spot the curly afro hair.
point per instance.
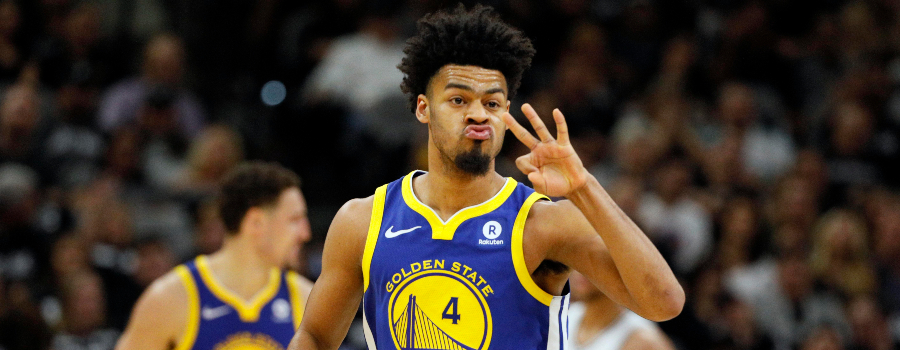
(474, 37)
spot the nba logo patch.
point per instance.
(281, 310)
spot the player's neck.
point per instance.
(600, 312)
(447, 191)
(239, 269)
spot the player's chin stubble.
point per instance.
(473, 162)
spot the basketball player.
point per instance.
(598, 323)
(237, 297)
(460, 257)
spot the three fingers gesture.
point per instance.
(553, 167)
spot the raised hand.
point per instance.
(553, 167)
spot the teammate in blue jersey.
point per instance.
(238, 297)
(460, 257)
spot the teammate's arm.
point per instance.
(159, 317)
(336, 294)
(621, 260)
(645, 339)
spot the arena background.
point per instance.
(757, 143)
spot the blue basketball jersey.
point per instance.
(455, 284)
(220, 320)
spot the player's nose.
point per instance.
(476, 114)
(305, 232)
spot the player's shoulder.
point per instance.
(161, 314)
(166, 301)
(350, 225)
(358, 206)
(545, 214)
(356, 212)
(170, 289)
(556, 224)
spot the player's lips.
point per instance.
(479, 132)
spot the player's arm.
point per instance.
(159, 317)
(336, 295)
(602, 243)
(596, 237)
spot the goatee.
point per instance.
(473, 162)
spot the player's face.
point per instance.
(463, 109)
(288, 228)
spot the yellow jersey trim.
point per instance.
(297, 305)
(374, 231)
(193, 322)
(248, 311)
(445, 230)
(518, 251)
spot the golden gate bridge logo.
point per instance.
(417, 331)
(436, 309)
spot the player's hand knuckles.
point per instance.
(526, 159)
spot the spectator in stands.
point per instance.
(740, 329)
(12, 56)
(73, 150)
(20, 328)
(163, 68)
(627, 192)
(359, 69)
(849, 154)
(106, 228)
(886, 243)
(69, 255)
(122, 159)
(678, 224)
(870, 327)
(841, 257)
(23, 247)
(823, 338)
(793, 203)
(75, 49)
(154, 259)
(765, 151)
(214, 152)
(209, 230)
(740, 241)
(784, 302)
(110, 232)
(20, 117)
(84, 315)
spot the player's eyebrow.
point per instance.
(492, 91)
(469, 88)
(458, 86)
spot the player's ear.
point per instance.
(508, 104)
(254, 220)
(422, 110)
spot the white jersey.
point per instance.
(611, 338)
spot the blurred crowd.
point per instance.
(756, 142)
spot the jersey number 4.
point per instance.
(450, 312)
